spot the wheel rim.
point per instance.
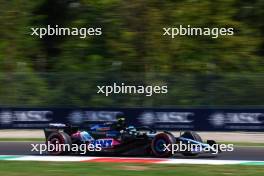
(159, 145)
(55, 141)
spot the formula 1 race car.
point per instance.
(116, 139)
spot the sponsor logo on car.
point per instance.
(105, 143)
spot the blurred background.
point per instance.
(64, 71)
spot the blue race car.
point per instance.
(119, 139)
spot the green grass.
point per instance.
(25, 168)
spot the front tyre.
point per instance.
(193, 136)
(159, 142)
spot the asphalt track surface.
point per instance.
(239, 153)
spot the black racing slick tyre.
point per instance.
(213, 144)
(59, 143)
(158, 145)
(193, 136)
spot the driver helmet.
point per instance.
(120, 119)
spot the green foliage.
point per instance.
(64, 71)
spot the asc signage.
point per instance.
(8, 117)
(199, 119)
(237, 120)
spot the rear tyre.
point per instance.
(157, 145)
(59, 139)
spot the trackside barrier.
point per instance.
(199, 119)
